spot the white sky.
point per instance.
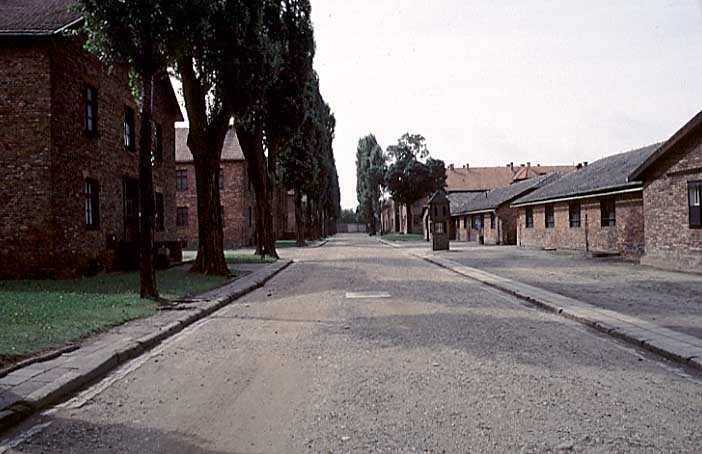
(489, 82)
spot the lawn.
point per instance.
(233, 258)
(408, 237)
(36, 315)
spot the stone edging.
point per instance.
(679, 347)
(102, 362)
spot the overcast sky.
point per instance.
(489, 82)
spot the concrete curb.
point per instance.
(103, 361)
(676, 346)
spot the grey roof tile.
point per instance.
(610, 173)
(491, 200)
(36, 17)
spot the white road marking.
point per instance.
(358, 295)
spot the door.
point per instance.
(131, 210)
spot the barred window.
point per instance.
(181, 180)
(529, 217)
(608, 212)
(91, 191)
(574, 214)
(182, 216)
(549, 217)
(91, 107)
(694, 199)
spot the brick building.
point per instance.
(394, 217)
(488, 216)
(68, 149)
(672, 193)
(595, 209)
(237, 195)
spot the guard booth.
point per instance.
(438, 217)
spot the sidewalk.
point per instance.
(673, 344)
(41, 384)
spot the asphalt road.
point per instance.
(443, 364)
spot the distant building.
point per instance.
(488, 216)
(595, 209)
(481, 179)
(237, 195)
(396, 219)
(69, 150)
(672, 197)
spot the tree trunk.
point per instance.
(299, 221)
(210, 250)
(205, 140)
(371, 215)
(252, 145)
(147, 271)
(409, 218)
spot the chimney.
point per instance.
(450, 166)
(467, 166)
(521, 165)
(511, 167)
(578, 166)
(538, 165)
(584, 163)
(528, 164)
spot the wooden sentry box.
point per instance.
(439, 215)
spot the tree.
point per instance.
(370, 177)
(132, 32)
(201, 46)
(409, 179)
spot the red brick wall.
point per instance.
(25, 160)
(626, 238)
(236, 200)
(670, 242)
(75, 156)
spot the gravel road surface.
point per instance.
(434, 363)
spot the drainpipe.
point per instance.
(587, 238)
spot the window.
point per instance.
(436, 211)
(465, 222)
(91, 191)
(159, 212)
(549, 218)
(221, 178)
(439, 227)
(443, 210)
(181, 180)
(608, 214)
(574, 214)
(492, 220)
(695, 197)
(157, 142)
(129, 128)
(529, 217)
(91, 107)
(478, 221)
(181, 216)
(250, 216)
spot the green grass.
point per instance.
(36, 315)
(408, 237)
(282, 244)
(233, 259)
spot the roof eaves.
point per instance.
(622, 189)
(688, 128)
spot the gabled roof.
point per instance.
(231, 151)
(605, 175)
(37, 17)
(487, 178)
(438, 196)
(681, 134)
(493, 199)
(460, 200)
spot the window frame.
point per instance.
(529, 217)
(492, 221)
(129, 129)
(91, 208)
(182, 216)
(692, 188)
(549, 216)
(574, 208)
(90, 94)
(610, 220)
(181, 180)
